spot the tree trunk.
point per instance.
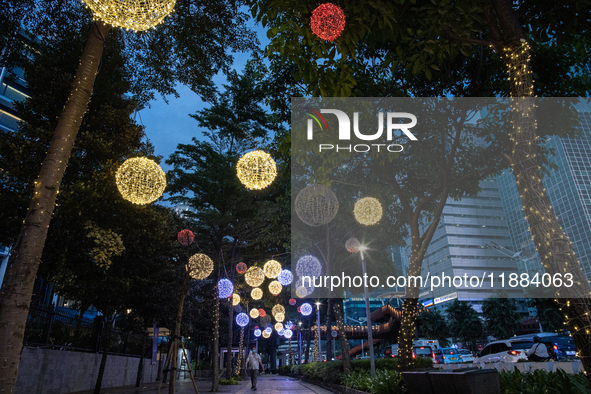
(329, 329)
(177, 334)
(17, 288)
(551, 242)
(342, 338)
(106, 339)
(309, 339)
(216, 341)
(230, 340)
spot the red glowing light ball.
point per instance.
(262, 312)
(328, 21)
(256, 327)
(299, 309)
(241, 267)
(292, 301)
(186, 237)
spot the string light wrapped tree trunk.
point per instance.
(23, 264)
(552, 244)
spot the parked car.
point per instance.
(450, 355)
(467, 356)
(438, 356)
(508, 351)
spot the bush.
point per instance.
(297, 370)
(325, 371)
(385, 382)
(541, 381)
(231, 381)
(285, 370)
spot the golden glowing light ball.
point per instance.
(278, 309)
(272, 269)
(280, 317)
(254, 277)
(256, 293)
(278, 326)
(140, 180)
(137, 15)
(316, 205)
(266, 334)
(301, 292)
(275, 287)
(235, 299)
(368, 211)
(256, 170)
(199, 266)
(254, 313)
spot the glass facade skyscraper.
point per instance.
(569, 190)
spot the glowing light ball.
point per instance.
(242, 319)
(199, 266)
(272, 269)
(255, 327)
(137, 15)
(306, 309)
(289, 325)
(352, 245)
(275, 287)
(305, 287)
(254, 277)
(225, 288)
(262, 312)
(292, 301)
(257, 333)
(278, 309)
(256, 170)
(280, 332)
(367, 211)
(235, 299)
(237, 308)
(186, 237)
(278, 326)
(254, 313)
(308, 265)
(299, 309)
(269, 329)
(266, 334)
(316, 205)
(140, 180)
(280, 317)
(241, 267)
(256, 294)
(287, 334)
(328, 21)
(285, 277)
(301, 292)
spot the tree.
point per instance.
(191, 60)
(549, 314)
(446, 31)
(501, 319)
(434, 326)
(464, 322)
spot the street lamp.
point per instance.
(372, 362)
(318, 324)
(300, 343)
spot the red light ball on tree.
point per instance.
(292, 301)
(262, 312)
(186, 237)
(299, 309)
(241, 267)
(328, 21)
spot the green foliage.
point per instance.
(501, 318)
(231, 381)
(549, 314)
(432, 324)
(540, 381)
(285, 369)
(385, 382)
(463, 321)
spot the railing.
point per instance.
(63, 329)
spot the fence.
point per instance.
(64, 329)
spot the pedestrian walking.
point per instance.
(253, 363)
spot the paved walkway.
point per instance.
(266, 385)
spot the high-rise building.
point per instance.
(569, 190)
(13, 88)
(465, 243)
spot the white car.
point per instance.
(506, 351)
(467, 356)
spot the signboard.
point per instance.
(334, 333)
(155, 343)
(445, 298)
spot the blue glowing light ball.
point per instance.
(287, 334)
(280, 332)
(242, 319)
(285, 277)
(257, 333)
(225, 288)
(289, 325)
(306, 309)
(308, 265)
(269, 330)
